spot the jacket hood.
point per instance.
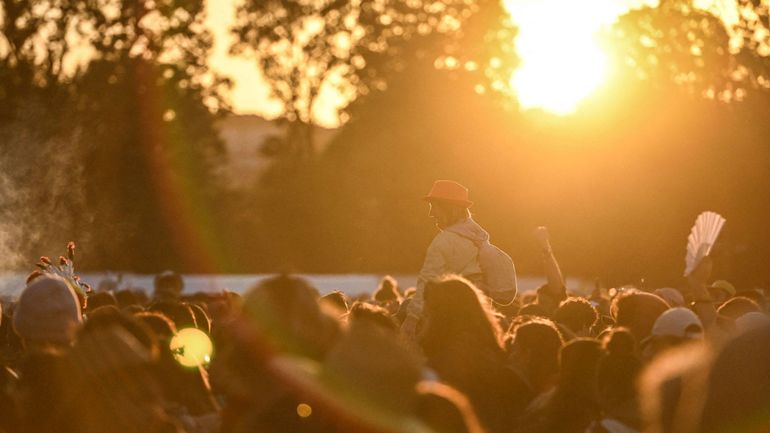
(470, 229)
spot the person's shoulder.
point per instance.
(443, 237)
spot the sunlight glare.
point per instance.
(561, 60)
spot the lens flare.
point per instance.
(191, 347)
(304, 410)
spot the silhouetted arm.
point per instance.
(550, 295)
(702, 303)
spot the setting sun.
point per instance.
(561, 61)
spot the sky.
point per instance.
(250, 94)
(538, 82)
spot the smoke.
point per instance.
(9, 228)
(41, 185)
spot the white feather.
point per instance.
(702, 238)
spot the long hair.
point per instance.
(453, 305)
(573, 405)
(462, 341)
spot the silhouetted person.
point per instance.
(100, 299)
(616, 383)
(737, 307)
(462, 342)
(168, 286)
(737, 390)
(455, 248)
(637, 311)
(533, 353)
(673, 328)
(47, 314)
(574, 403)
(114, 386)
(577, 315)
(47, 318)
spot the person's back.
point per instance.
(454, 251)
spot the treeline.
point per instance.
(122, 154)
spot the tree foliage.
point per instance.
(352, 47)
(676, 42)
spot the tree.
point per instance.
(349, 48)
(33, 47)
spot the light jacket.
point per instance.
(452, 251)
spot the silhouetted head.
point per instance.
(163, 328)
(574, 402)
(361, 311)
(336, 303)
(179, 313)
(100, 299)
(721, 290)
(47, 313)
(109, 316)
(126, 297)
(446, 214)
(453, 305)
(577, 314)
(533, 309)
(534, 347)
(579, 360)
(637, 311)
(168, 285)
(387, 290)
(448, 203)
(674, 327)
(673, 297)
(736, 307)
(284, 311)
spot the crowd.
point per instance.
(442, 357)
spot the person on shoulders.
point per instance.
(454, 250)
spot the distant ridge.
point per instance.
(244, 136)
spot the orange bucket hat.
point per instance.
(449, 191)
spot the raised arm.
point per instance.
(555, 291)
(702, 303)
